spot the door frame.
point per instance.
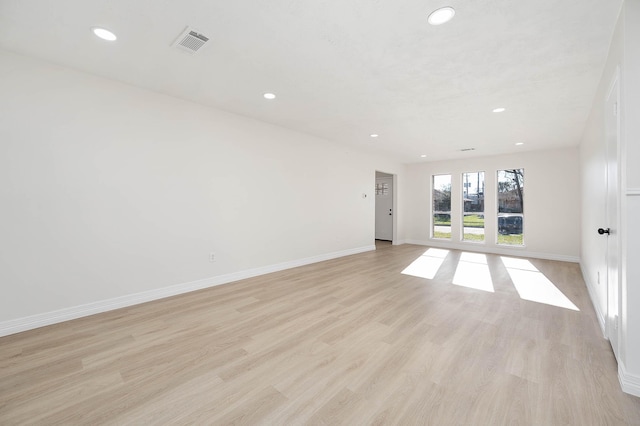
(394, 203)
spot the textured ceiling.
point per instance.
(343, 69)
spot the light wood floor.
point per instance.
(349, 341)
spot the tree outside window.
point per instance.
(511, 207)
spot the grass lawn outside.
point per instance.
(441, 222)
(473, 221)
(470, 221)
(473, 237)
(512, 239)
(445, 235)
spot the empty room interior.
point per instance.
(330, 212)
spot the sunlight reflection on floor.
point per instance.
(532, 285)
(473, 272)
(427, 265)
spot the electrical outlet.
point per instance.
(212, 257)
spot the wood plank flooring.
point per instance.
(348, 341)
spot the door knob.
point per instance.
(604, 231)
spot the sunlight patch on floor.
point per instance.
(473, 272)
(532, 285)
(427, 265)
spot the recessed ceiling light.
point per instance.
(499, 110)
(374, 135)
(519, 143)
(442, 15)
(104, 34)
(269, 96)
(424, 156)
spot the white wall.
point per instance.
(551, 202)
(624, 54)
(109, 191)
(593, 165)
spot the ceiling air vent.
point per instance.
(190, 40)
(467, 149)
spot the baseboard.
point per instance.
(591, 291)
(398, 242)
(630, 383)
(515, 251)
(40, 320)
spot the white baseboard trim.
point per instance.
(40, 320)
(590, 289)
(630, 383)
(398, 242)
(517, 252)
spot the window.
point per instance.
(382, 188)
(473, 206)
(511, 207)
(442, 206)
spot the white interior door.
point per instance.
(384, 208)
(613, 292)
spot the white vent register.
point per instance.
(191, 40)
